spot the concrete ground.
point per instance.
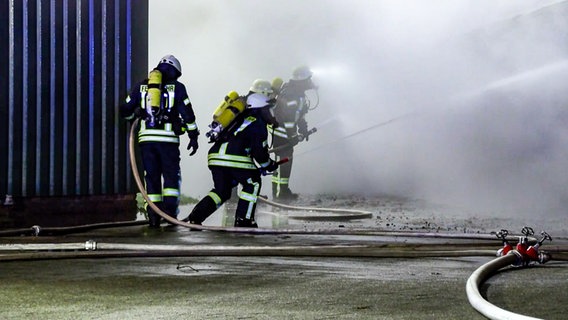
(271, 287)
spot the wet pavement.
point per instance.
(242, 286)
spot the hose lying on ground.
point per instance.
(124, 250)
(38, 230)
(338, 213)
(406, 250)
(94, 245)
(479, 277)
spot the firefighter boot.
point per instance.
(154, 220)
(245, 223)
(202, 210)
(286, 194)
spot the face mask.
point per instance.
(168, 71)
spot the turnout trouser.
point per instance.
(161, 164)
(281, 177)
(224, 180)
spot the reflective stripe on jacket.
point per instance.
(246, 147)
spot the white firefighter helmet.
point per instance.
(302, 73)
(171, 60)
(263, 87)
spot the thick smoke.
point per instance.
(453, 101)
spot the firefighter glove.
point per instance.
(305, 135)
(272, 166)
(193, 145)
(294, 140)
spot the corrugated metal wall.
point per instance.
(66, 65)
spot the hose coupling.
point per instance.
(90, 245)
(519, 261)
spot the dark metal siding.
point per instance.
(69, 64)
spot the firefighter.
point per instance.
(290, 111)
(240, 156)
(166, 113)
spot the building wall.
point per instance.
(67, 64)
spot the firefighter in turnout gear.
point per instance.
(165, 111)
(240, 156)
(290, 111)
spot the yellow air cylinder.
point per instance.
(226, 112)
(154, 88)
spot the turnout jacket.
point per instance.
(174, 117)
(290, 111)
(243, 146)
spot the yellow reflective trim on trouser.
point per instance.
(247, 196)
(215, 198)
(278, 180)
(170, 192)
(155, 197)
(251, 198)
(191, 126)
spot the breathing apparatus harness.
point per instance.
(301, 112)
(158, 104)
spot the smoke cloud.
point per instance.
(459, 102)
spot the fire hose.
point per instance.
(478, 277)
(43, 251)
(175, 221)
